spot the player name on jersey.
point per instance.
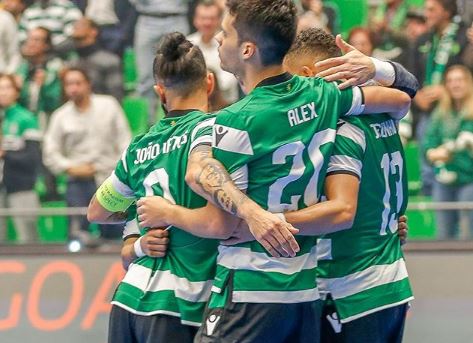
(153, 150)
(301, 114)
(384, 129)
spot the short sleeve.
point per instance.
(202, 133)
(231, 144)
(349, 150)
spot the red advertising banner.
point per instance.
(57, 298)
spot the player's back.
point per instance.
(155, 164)
(363, 267)
(281, 134)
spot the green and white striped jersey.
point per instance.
(276, 144)
(155, 164)
(363, 267)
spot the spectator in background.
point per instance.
(415, 25)
(468, 56)
(39, 74)
(103, 67)
(362, 39)
(16, 7)
(85, 138)
(58, 16)
(155, 18)
(115, 20)
(9, 45)
(21, 158)
(449, 147)
(432, 54)
(207, 19)
(389, 27)
(317, 14)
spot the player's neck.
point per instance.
(198, 101)
(254, 75)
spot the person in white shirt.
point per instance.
(207, 19)
(10, 57)
(84, 139)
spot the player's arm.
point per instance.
(385, 100)
(375, 99)
(355, 68)
(207, 222)
(110, 202)
(209, 178)
(335, 214)
(153, 243)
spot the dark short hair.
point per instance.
(179, 64)
(48, 39)
(315, 42)
(78, 68)
(270, 24)
(450, 6)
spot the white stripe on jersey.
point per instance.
(163, 280)
(373, 276)
(120, 187)
(244, 259)
(354, 133)
(344, 163)
(201, 125)
(131, 228)
(357, 106)
(207, 139)
(283, 297)
(232, 140)
(324, 249)
(240, 177)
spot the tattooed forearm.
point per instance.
(216, 182)
(213, 181)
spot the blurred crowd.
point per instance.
(62, 88)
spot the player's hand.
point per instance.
(152, 211)
(273, 233)
(155, 242)
(354, 67)
(402, 229)
(242, 234)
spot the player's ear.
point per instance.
(160, 91)
(248, 50)
(306, 71)
(210, 79)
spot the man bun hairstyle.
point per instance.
(179, 64)
(270, 24)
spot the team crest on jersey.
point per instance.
(232, 140)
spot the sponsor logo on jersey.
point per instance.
(220, 132)
(333, 320)
(384, 129)
(232, 140)
(301, 114)
(211, 323)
